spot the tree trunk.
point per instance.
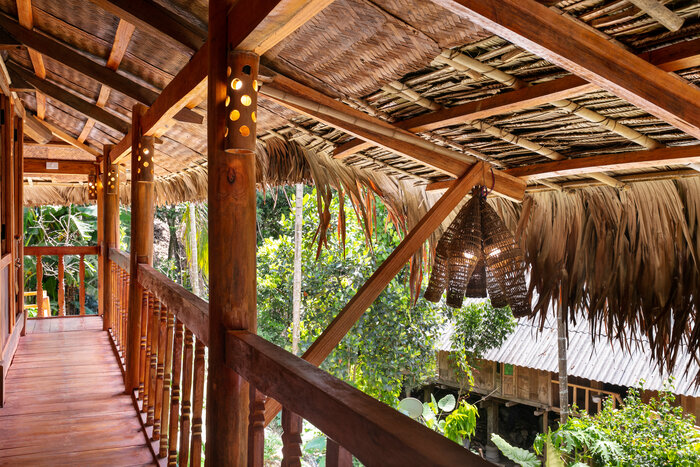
(296, 292)
(561, 328)
(192, 239)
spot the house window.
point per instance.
(508, 369)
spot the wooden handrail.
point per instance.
(189, 309)
(61, 250)
(120, 258)
(373, 432)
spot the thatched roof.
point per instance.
(631, 254)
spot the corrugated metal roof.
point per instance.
(598, 360)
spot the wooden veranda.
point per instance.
(285, 100)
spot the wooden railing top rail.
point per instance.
(189, 309)
(61, 250)
(373, 432)
(120, 258)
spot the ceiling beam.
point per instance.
(63, 135)
(582, 166)
(152, 17)
(674, 57)
(320, 107)
(35, 129)
(82, 64)
(71, 100)
(58, 166)
(190, 84)
(26, 20)
(572, 46)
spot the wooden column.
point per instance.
(102, 254)
(232, 103)
(8, 199)
(142, 212)
(82, 285)
(110, 181)
(19, 216)
(40, 288)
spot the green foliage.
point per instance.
(520, 456)
(636, 434)
(60, 226)
(478, 327)
(392, 344)
(461, 424)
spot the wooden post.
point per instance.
(291, 439)
(336, 455)
(102, 254)
(39, 288)
(82, 285)
(142, 212)
(110, 181)
(19, 217)
(8, 198)
(232, 293)
(561, 340)
(61, 287)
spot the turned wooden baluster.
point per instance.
(113, 295)
(291, 439)
(256, 429)
(336, 455)
(143, 356)
(197, 404)
(125, 309)
(154, 320)
(160, 369)
(118, 305)
(167, 382)
(40, 288)
(61, 287)
(187, 359)
(175, 394)
(81, 274)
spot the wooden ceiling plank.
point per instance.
(540, 30)
(79, 104)
(152, 17)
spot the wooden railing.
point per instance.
(118, 277)
(174, 334)
(60, 251)
(589, 392)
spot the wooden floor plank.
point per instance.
(66, 403)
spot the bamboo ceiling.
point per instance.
(397, 59)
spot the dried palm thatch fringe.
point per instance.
(631, 258)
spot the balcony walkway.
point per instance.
(66, 401)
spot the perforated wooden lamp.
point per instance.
(477, 256)
(92, 186)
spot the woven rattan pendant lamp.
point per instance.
(477, 256)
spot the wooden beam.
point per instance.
(78, 62)
(58, 166)
(71, 100)
(61, 134)
(286, 18)
(152, 17)
(562, 41)
(674, 57)
(660, 13)
(635, 160)
(370, 290)
(36, 130)
(187, 85)
(609, 162)
(26, 19)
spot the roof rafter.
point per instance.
(566, 43)
(71, 100)
(80, 63)
(150, 16)
(671, 58)
(26, 19)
